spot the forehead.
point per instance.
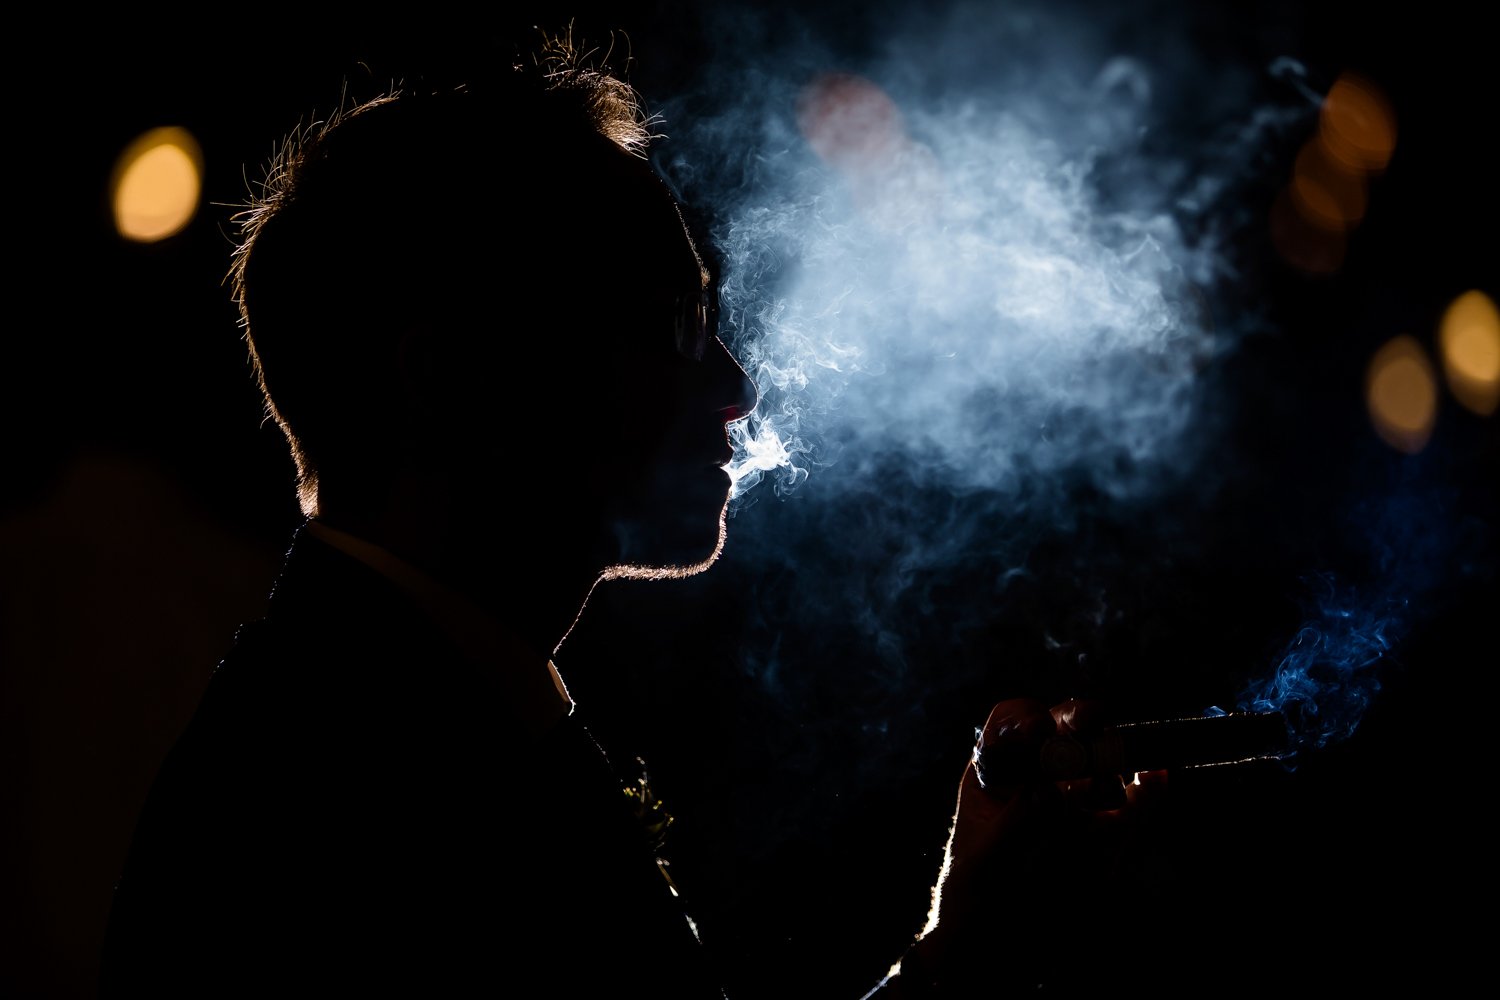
(656, 247)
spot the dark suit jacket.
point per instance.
(350, 809)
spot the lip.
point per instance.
(721, 453)
(709, 448)
(717, 459)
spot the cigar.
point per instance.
(1164, 744)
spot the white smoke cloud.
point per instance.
(981, 270)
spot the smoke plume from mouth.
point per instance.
(965, 300)
(973, 262)
(989, 270)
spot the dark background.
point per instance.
(146, 505)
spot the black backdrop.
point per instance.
(145, 507)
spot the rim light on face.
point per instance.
(691, 326)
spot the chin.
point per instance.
(675, 561)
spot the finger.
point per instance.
(1137, 800)
(1104, 792)
(976, 803)
(1017, 719)
(1078, 715)
(1146, 791)
(1009, 745)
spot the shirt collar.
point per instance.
(539, 697)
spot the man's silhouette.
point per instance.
(486, 333)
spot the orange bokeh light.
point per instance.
(1357, 125)
(1326, 193)
(849, 121)
(1470, 342)
(1401, 392)
(1310, 248)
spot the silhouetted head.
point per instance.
(485, 297)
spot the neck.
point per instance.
(535, 589)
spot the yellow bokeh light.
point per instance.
(1357, 125)
(1470, 341)
(156, 184)
(1401, 391)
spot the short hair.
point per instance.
(392, 212)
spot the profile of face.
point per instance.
(625, 419)
(667, 470)
(675, 388)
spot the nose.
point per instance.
(735, 394)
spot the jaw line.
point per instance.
(637, 571)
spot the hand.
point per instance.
(1029, 863)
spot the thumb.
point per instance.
(1008, 751)
(1002, 778)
